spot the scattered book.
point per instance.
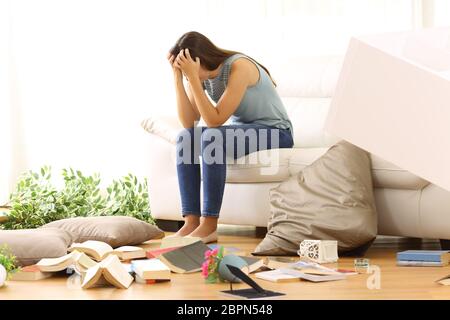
(57, 264)
(254, 264)
(405, 263)
(172, 241)
(276, 276)
(152, 269)
(315, 268)
(157, 252)
(186, 259)
(437, 256)
(148, 281)
(83, 262)
(30, 273)
(109, 271)
(310, 267)
(99, 250)
(314, 277)
(79, 260)
(265, 264)
(445, 281)
(129, 253)
(227, 250)
(292, 275)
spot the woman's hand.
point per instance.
(189, 67)
(175, 68)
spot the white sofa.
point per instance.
(407, 205)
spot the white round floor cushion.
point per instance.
(2, 275)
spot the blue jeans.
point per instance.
(215, 145)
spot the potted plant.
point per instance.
(36, 200)
(8, 264)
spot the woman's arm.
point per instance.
(192, 100)
(187, 111)
(231, 98)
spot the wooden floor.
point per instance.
(395, 282)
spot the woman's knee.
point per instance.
(187, 136)
(213, 147)
(213, 135)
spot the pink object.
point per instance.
(393, 100)
(205, 266)
(208, 253)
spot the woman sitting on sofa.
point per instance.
(244, 92)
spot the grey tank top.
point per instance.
(260, 104)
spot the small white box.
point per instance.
(320, 251)
(393, 100)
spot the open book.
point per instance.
(79, 260)
(99, 250)
(289, 275)
(185, 259)
(110, 271)
(265, 264)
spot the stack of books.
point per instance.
(423, 258)
(150, 271)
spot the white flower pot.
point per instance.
(3, 275)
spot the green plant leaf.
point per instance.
(36, 201)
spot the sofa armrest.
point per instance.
(164, 126)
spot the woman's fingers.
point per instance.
(188, 55)
(174, 63)
(182, 55)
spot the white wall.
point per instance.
(85, 73)
(441, 13)
(5, 104)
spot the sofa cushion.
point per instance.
(31, 245)
(384, 173)
(292, 161)
(262, 166)
(308, 118)
(165, 127)
(390, 176)
(311, 76)
(114, 230)
(331, 199)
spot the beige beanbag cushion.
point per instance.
(115, 230)
(31, 245)
(331, 199)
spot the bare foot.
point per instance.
(191, 222)
(207, 226)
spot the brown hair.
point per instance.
(210, 55)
